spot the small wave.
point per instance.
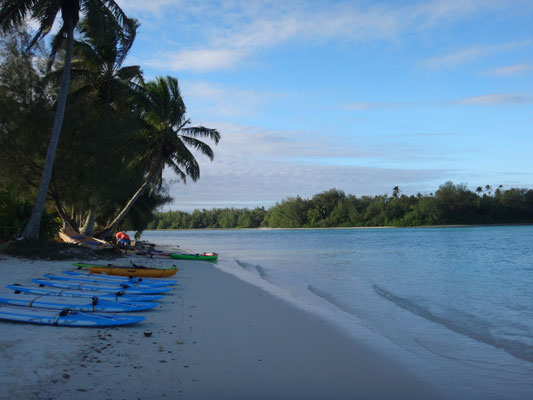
(261, 271)
(244, 265)
(464, 324)
(263, 274)
(330, 299)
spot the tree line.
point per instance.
(451, 204)
(118, 131)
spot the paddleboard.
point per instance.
(117, 296)
(102, 280)
(101, 287)
(64, 317)
(86, 304)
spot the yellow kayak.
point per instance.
(129, 271)
(146, 272)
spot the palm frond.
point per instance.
(85, 55)
(199, 145)
(130, 73)
(115, 9)
(178, 171)
(45, 13)
(202, 131)
(128, 34)
(184, 158)
(14, 12)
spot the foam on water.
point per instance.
(455, 304)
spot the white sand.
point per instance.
(214, 337)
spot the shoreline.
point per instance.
(341, 227)
(214, 336)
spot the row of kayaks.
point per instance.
(78, 298)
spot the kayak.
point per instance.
(200, 256)
(117, 296)
(124, 279)
(102, 280)
(133, 271)
(86, 304)
(101, 287)
(64, 317)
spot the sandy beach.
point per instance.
(214, 337)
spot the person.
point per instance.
(122, 238)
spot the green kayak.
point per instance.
(201, 256)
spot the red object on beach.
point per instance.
(122, 235)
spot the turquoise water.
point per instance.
(455, 304)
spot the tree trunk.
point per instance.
(63, 215)
(32, 228)
(88, 227)
(112, 226)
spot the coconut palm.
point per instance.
(12, 14)
(167, 138)
(98, 79)
(97, 62)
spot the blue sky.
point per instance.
(358, 95)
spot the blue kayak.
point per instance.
(64, 317)
(127, 289)
(86, 304)
(117, 296)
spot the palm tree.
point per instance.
(98, 77)
(97, 62)
(167, 138)
(12, 14)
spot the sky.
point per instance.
(361, 96)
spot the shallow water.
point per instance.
(455, 303)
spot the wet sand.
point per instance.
(213, 337)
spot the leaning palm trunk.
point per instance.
(112, 226)
(88, 227)
(32, 228)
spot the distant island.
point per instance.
(451, 204)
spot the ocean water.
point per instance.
(453, 304)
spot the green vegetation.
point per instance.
(118, 132)
(450, 205)
(15, 214)
(12, 15)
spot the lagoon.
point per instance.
(453, 304)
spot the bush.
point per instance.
(15, 214)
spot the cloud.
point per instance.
(254, 166)
(223, 101)
(249, 184)
(360, 106)
(197, 59)
(510, 70)
(152, 6)
(233, 31)
(495, 99)
(372, 105)
(471, 54)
